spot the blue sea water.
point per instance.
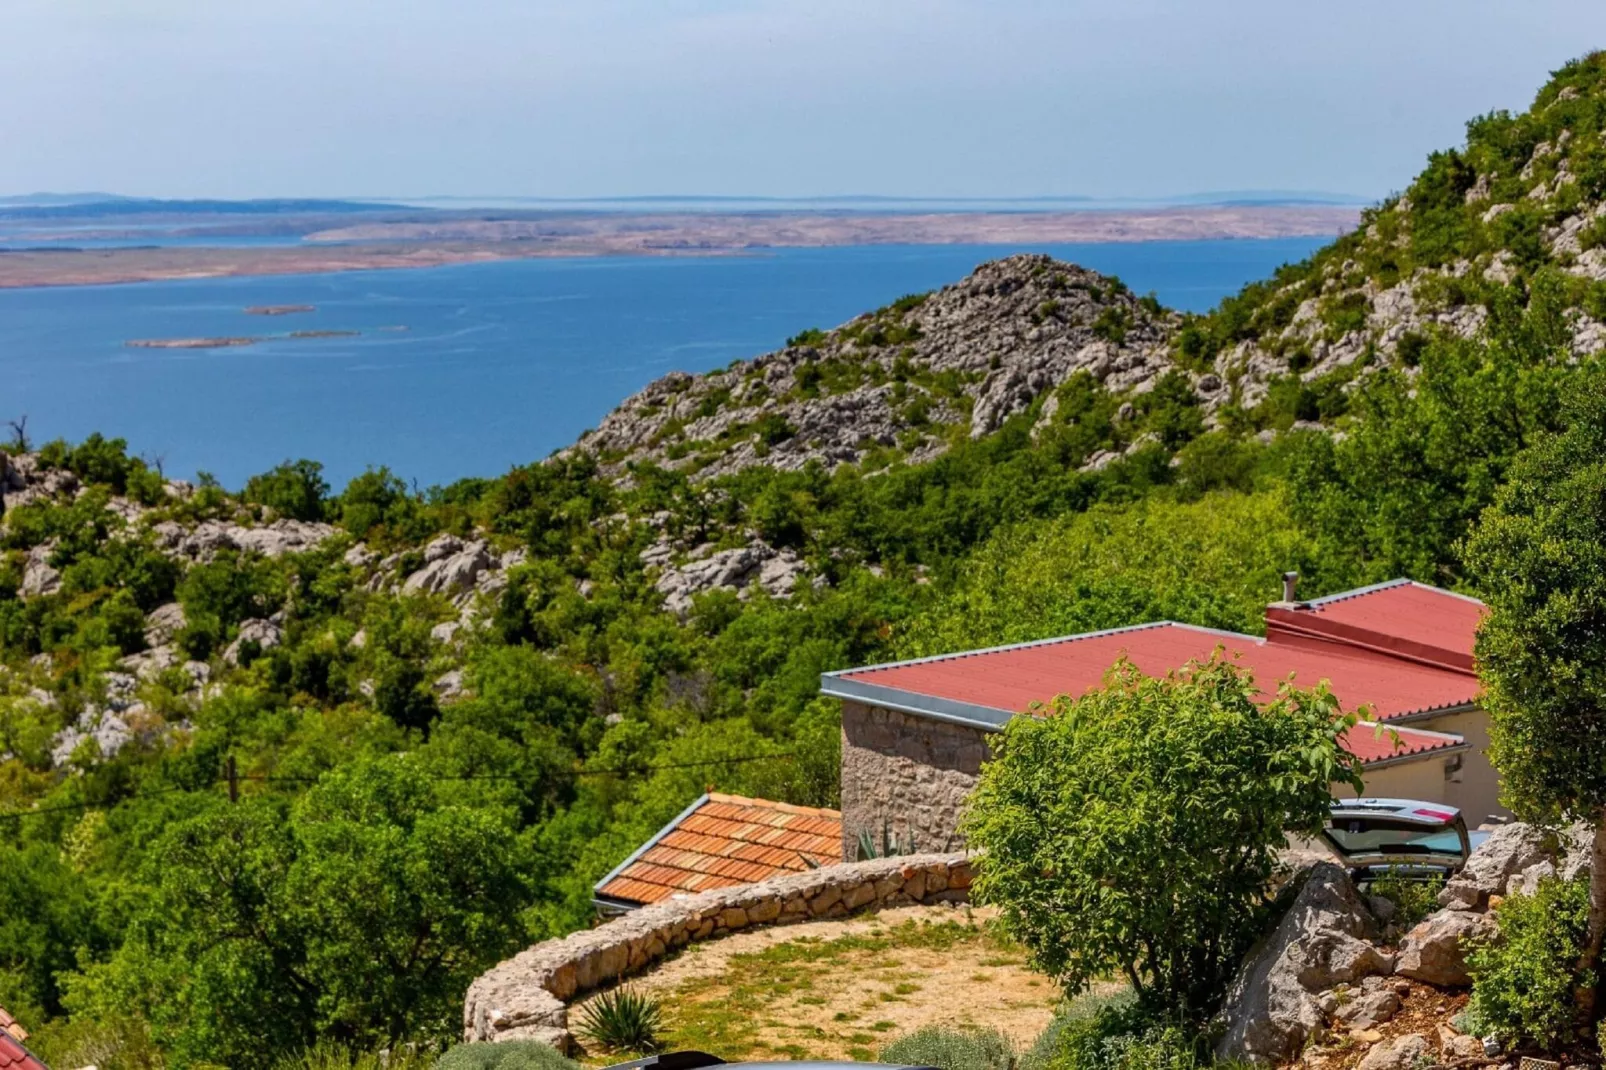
(470, 369)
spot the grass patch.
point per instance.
(744, 1012)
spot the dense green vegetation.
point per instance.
(146, 919)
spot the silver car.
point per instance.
(1406, 837)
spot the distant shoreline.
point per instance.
(383, 245)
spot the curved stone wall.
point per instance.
(527, 996)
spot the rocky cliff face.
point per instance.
(1525, 197)
(901, 381)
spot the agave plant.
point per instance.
(622, 1020)
(889, 847)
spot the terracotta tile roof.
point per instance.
(721, 840)
(1400, 618)
(13, 1056)
(988, 687)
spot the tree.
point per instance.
(1136, 829)
(1539, 556)
(358, 914)
(294, 489)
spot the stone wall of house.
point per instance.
(527, 996)
(911, 773)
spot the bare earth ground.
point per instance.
(843, 989)
(377, 245)
(1425, 1010)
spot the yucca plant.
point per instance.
(622, 1020)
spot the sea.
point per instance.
(468, 370)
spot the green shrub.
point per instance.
(1125, 1039)
(1523, 979)
(1072, 1011)
(622, 1020)
(952, 1049)
(508, 1055)
(1412, 899)
(328, 1056)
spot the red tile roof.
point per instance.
(13, 1056)
(987, 687)
(721, 840)
(1400, 618)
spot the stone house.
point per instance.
(914, 733)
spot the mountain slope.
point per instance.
(542, 668)
(901, 382)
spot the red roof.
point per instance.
(1435, 628)
(1400, 618)
(13, 1056)
(721, 840)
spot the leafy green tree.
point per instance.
(1539, 555)
(1135, 830)
(294, 489)
(357, 914)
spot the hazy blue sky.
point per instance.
(780, 97)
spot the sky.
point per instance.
(786, 98)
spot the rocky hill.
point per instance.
(1520, 204)
(902, 381)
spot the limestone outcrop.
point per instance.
(971, 354)
(1272, 1007)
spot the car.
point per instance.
(696, 1060)
(1403, 837)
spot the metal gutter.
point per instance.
(631, 904)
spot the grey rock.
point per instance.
(1509, 850)
(449, 686)
(211, 537)
(740, 569)
(1368, 1009)
(1271, 1008)
(148, 664)
(163, 623)
(264, 633)
(1401, 1053)
(445, 631)
(1435, 951)
(451, 568)
(39, 578)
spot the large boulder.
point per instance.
(1272, 1008)
(451, 567)
(1435, 951)
(1508, 851)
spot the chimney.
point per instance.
(1290, 582)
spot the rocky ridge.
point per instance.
(906, 378)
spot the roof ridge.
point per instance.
(1030, 644)
(1361, 592)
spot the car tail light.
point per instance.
(1437, 815)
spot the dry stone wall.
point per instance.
(527, 996)
(910, 773)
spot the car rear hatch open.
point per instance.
(1408, 837)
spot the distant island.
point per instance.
(231, 342)
(279, 310)
(328, 239)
